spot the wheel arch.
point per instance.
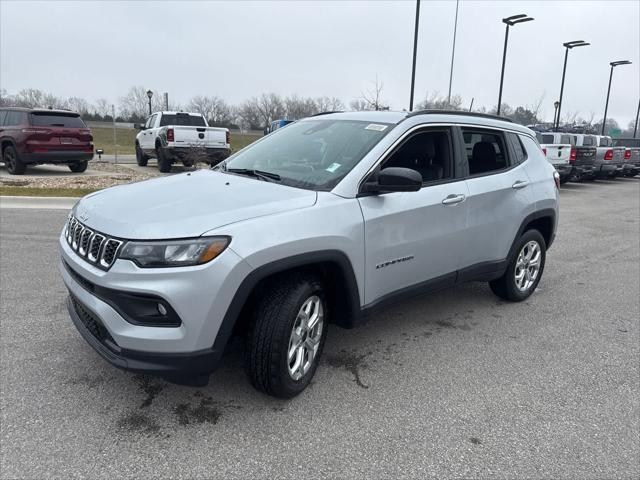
(333, 266)
(542, 220)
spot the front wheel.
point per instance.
(524, 270)
(141, 158)
(287, 335)
(79, 167)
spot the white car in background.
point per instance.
(558, 147)
(180, 136)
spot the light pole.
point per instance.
(556, 104)
(568, 46)
(635, 129)
(149, 94)
(453, 53)
(510, 22)
(415, 49)
(606, 105)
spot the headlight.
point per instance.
(174, 253)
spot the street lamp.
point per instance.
(556, 104)
(149, 94)
(415, 49)
(606, 106)
(510, 22)
(568, 46)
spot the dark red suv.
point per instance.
(34, 136)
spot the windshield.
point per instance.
(313, 154)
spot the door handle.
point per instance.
(453, 199)
(520, 184)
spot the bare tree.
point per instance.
(535, 107)
(102, 108)
(298, 107)
(329, 104)
(136, 103)
(373, 98)
(358, 104)
(434, 101)
(79, 105)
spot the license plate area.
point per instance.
(66, 141)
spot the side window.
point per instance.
(485, 150)
(518, 148)
(3, 115)
(152, 120)
(14, 118)
(548, 139)
(427, 152)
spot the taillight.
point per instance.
(42, 131)
(572, 156)
(170, 136)
(544, 150)
(627, 154)
(608, 155)
(228, 137)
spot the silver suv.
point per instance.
(322, 222)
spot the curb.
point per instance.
(49, 203)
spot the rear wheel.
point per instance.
(78, 167)
(164, 163)
(287, 335)
(141, 158)
(524, 270)
(12, 161)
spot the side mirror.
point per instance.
(138, 126)
(395, 179)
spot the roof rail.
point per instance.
(459, 112)
(326, 113)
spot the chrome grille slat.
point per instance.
(92, 246)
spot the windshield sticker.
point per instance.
(376, 127)
(333, 167)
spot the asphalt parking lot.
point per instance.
(456, 384)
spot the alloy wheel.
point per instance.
(528, 265)
(304, 341)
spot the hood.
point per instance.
(185, 205)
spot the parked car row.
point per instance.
(578, 156)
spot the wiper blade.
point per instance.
(255, 173)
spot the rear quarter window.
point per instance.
(57, 120)
(520, 153)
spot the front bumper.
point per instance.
(72, 156)
(177, 367)
(200, 296)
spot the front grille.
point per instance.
(91, 322)
(94, 247)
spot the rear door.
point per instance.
(58, 131)
(148, 138)
(416, 238)
(499, 196)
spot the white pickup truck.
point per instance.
(180, 136)
(557, 147)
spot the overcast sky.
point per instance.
(239, 49)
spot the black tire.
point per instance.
(505, 287)
(79, 167)
(164, 162)
(12, 161)
(141, 158)
(270, 333)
